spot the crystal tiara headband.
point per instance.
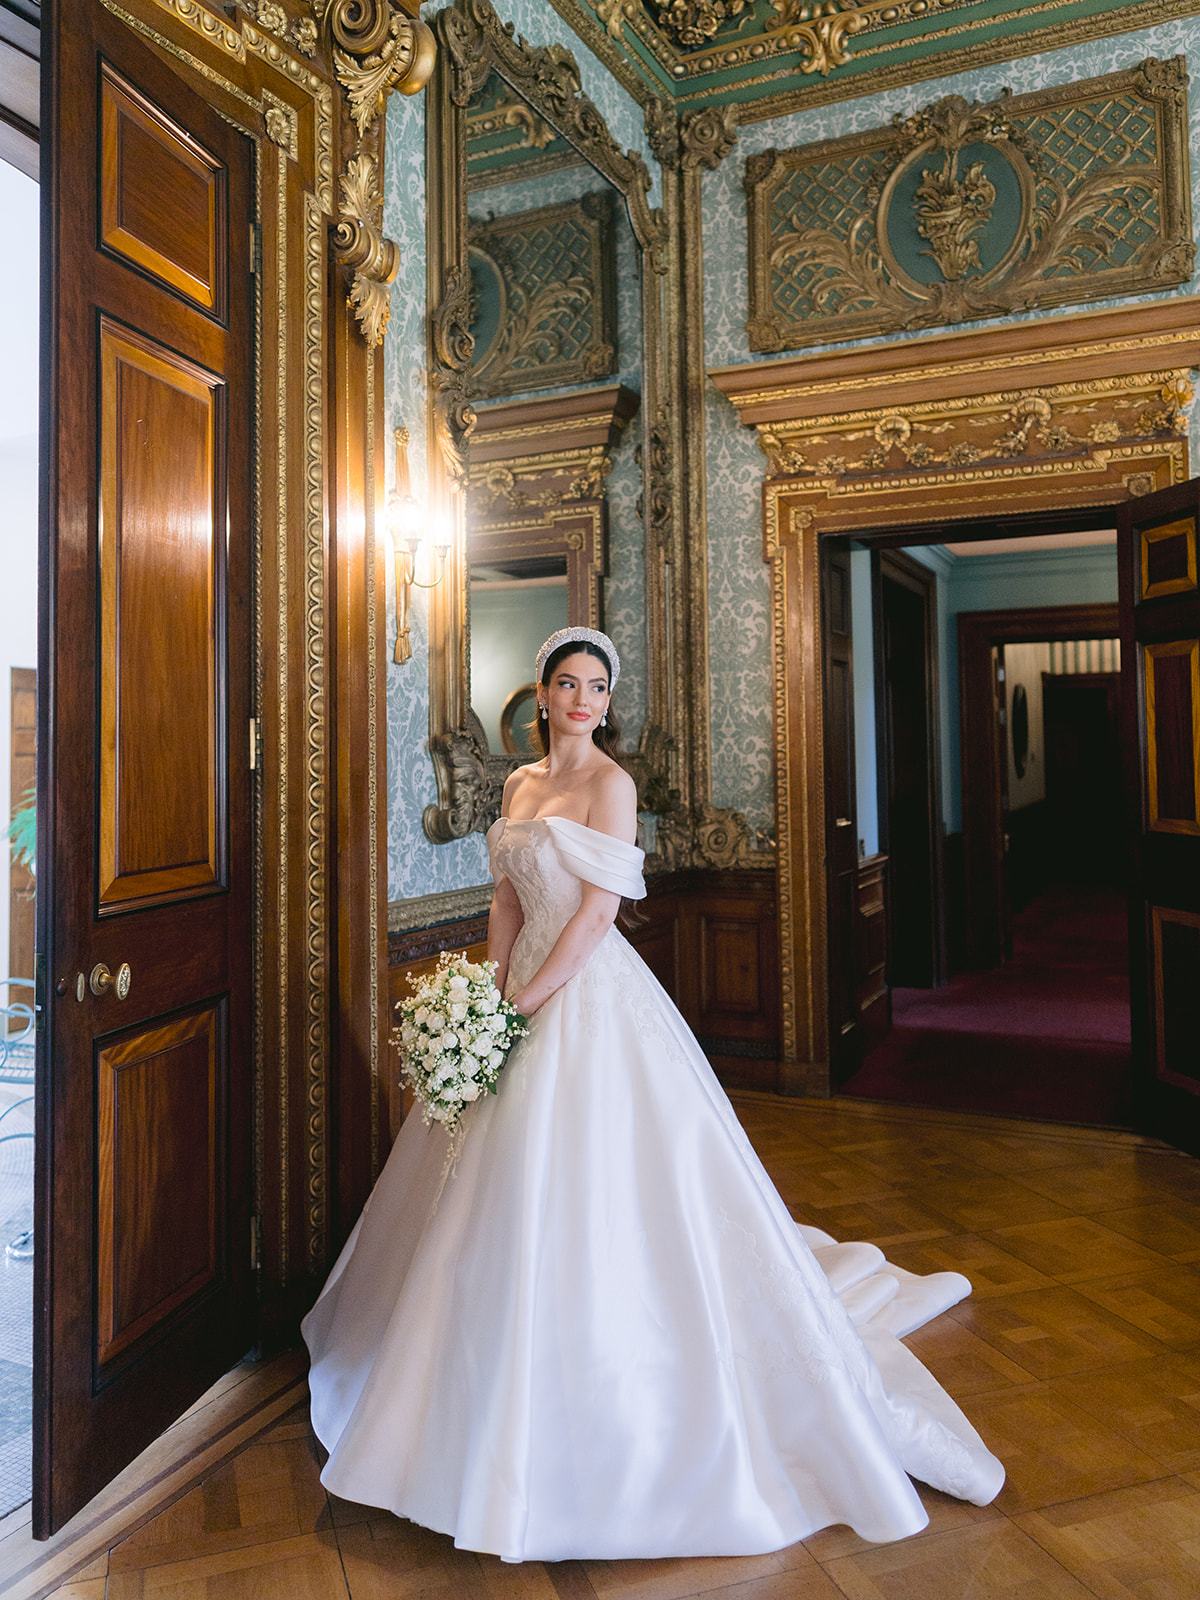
(580, 636)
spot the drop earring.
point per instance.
(545, 715)
(604, 720)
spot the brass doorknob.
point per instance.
(102, 980)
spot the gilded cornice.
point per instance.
(1123, 339)
(829, 52)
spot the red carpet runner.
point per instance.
(1046, 1035)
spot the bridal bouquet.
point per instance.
(454, 1035)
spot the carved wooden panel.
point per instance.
(544, 297)
(1176, 988)
(162, 802)
(1168, 563)
(162, 196)
(961, 211)
(1172, 690)
(874, 1007)
(729, 965)
(159, 1209)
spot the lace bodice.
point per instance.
(546, 860)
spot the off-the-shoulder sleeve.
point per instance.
(599, 858)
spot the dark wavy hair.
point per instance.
(607, 738)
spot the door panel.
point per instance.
(158, 1094)
(1160, 637)
(161, 711)
(145, 1288)
(1171, 674)
(163, 196)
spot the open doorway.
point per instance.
(19, 200)
(1010, 993)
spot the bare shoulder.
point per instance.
(612, 802)
(516, 782)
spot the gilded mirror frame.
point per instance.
(472, 43)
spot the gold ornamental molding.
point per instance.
(965, 210)
(375, 47)
(1055, 413)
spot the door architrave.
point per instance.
(811, 414)
(982, 821)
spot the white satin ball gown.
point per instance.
(601, 1334)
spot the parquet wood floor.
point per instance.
(1077, 1357)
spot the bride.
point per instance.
(600, 1333)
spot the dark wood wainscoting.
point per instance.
(711, 940)
(871, 953)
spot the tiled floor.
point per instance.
(1078, 1357)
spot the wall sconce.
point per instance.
(404, 524)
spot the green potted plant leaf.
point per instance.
(22, 831)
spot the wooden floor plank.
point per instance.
(1077, 1357)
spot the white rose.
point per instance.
(436, 1021)
(489, 1003)
(498, 1023)
(458, 1012)
(448, 1041)
(495, 1059)
(468, 1064)
(458, 985)
(470, 1091)
(421, 1015)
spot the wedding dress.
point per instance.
(600, 1333)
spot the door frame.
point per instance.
(979, 632)
(896, 565)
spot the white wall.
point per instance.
(18, 474)
(1024, 664)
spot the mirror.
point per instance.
(542, 374)
(548, 242)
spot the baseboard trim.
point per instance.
(232, 1413)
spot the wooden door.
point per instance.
(143, 1213)
(906, 697)
(841, 814)
(1160, 672)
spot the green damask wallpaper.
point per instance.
(739, 630)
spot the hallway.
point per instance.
(1077, 1357)
(1046, 1035)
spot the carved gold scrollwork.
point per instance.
(662, 130)
(474, 39)
(694, 22)
(453, 347)
(377, 47)
(707, 136)
(360, 245)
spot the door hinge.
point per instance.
(255, 1243)
(1003, 715)
(255, 249)
(255, 745)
